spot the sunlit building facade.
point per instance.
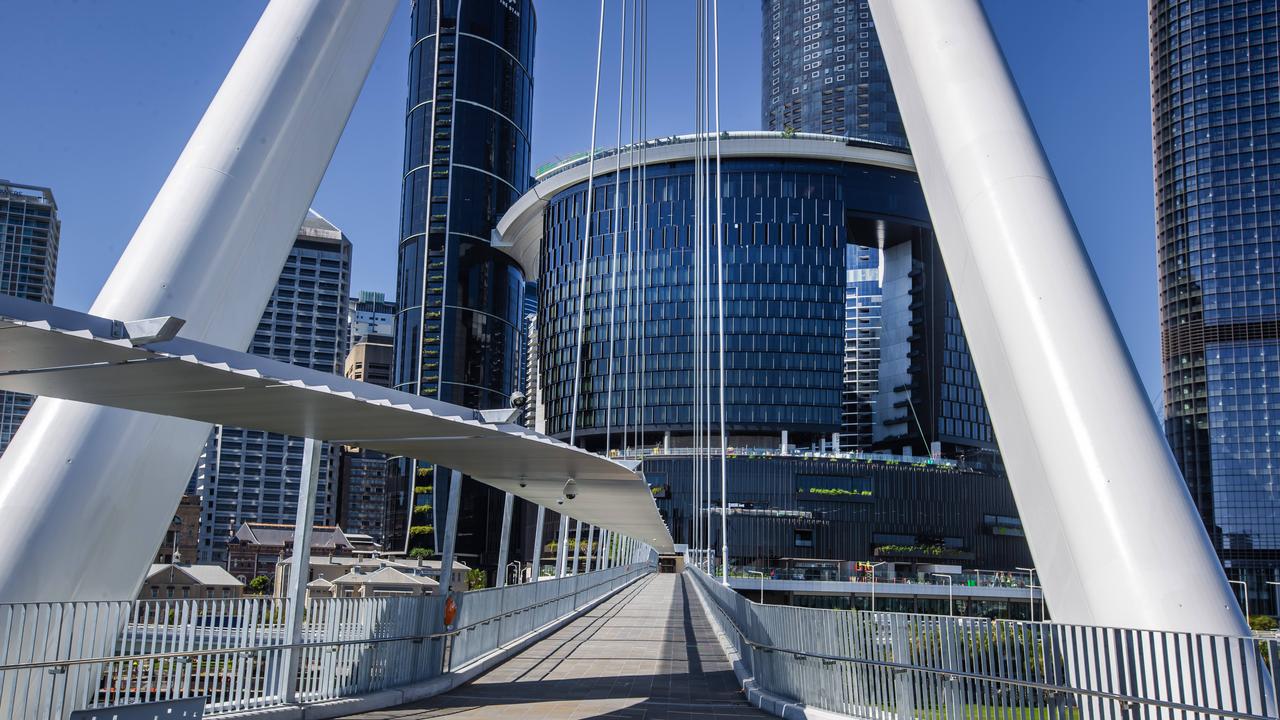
(457, 330)
(1215, 79)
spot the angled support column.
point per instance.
(1102, 500)
(300, 565)
(577, 544)
(562, 538)
(450, 532)
(536, 561)
(600, 550)
(591, 534)
(209, 251)
(504, 545)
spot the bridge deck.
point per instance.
(648, 652)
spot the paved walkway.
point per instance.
(648, 652)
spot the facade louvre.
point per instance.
(1215, 96)
(459, 299)
(253, 476)
(29, 233)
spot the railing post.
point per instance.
(601, 559)
(300, 568)
(504, 545)
(577, 544)
(902, 685)
(536, 563)
(591, 534)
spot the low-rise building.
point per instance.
(180, 581)
(183, 537)
(255, 548)
(330, 569)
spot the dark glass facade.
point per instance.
(1215, 78)
(466, 161)
(824, 72)
(789, 225)
(850, 509)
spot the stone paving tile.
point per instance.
(649, 652)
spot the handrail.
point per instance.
(286, 646)
(898, 667)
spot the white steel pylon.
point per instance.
(1103, 502)
(90, 490)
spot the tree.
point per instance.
(475, 579)
(1265, 623)
(259, 585)
(419, 554)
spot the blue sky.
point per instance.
(101, 97)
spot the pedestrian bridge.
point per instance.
(622, 642)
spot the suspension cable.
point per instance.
(586, 237)
(724, 500)
(613, 256)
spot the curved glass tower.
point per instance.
(466, 161)
(1215, 79)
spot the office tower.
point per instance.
(799, 217)
(823, 72)
(29, 230)
(362, 474)
(252, 476)
(862, 298)
(466, 161)
(1214, 131)
(369, 314)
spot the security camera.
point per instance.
(570, 489)
(519, 399)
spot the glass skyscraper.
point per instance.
(905, 351)
(1215, 83)
(254, 476)
(805, 222)
(459, 300)
(824, 72)
(29, 232)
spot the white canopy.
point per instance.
(75, 356)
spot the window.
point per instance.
(804, 537)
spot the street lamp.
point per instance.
(757, 572)
(1031, 589)
(1244, 585)
(517, 564)
(873, 583)
(1272, 582)
(951, 610)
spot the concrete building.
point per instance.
(255, 548)
(362, 474)
(331, 568)
(182, 540)
(180, 581)
(29, 235)
(371, 313)
(251, 476)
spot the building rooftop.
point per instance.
(273, 534)
(200, 574)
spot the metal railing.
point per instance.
(905, 666)
(59, 657)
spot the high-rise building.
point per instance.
(253, 476)
(362, 473)
(466, 161)
(802, 219)
(369, 314)
(29, 231)
(906, 353)
(1216, 141)
(824, 72)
